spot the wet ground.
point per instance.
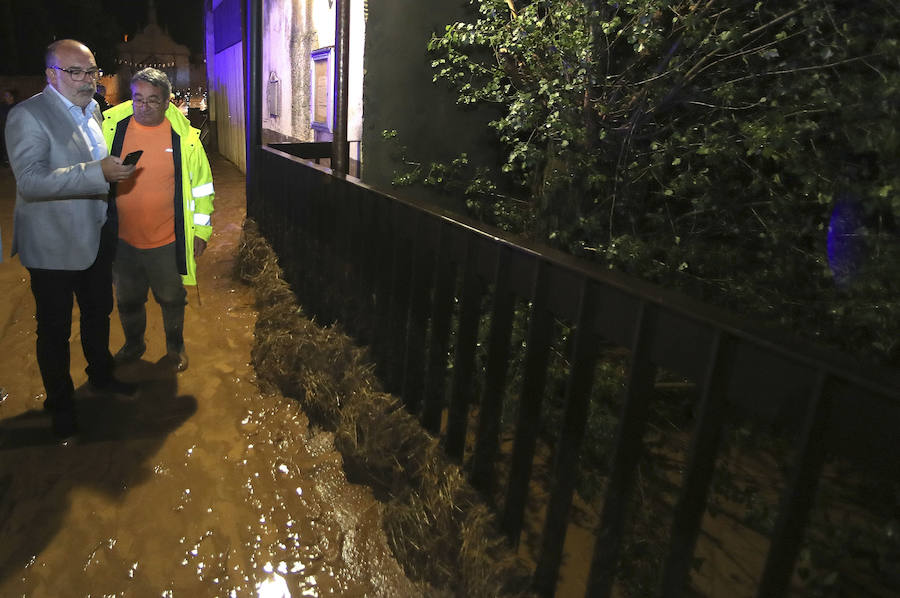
(201, 485)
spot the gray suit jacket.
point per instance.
(60, 189)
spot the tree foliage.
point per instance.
(743, 151)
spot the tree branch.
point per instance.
(791, 71)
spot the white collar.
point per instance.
(88, 110)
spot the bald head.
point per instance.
(65, 57)
(63, 46)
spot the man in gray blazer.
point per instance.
(61, 230)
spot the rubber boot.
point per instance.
(173, 324)
(134, 324)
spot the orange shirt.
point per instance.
(146, 201)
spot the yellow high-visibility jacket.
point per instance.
(193, 180)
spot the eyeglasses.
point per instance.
(152, 103)
(78, 74)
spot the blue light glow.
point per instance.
(846, 243)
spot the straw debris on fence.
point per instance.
(440, 531)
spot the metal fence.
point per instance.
(437, 299)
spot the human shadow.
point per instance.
(118, 437)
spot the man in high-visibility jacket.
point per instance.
(163, 212)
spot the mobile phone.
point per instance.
(132, 158)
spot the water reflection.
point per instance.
(273, 586)
(190, 489)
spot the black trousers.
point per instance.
(53, 291)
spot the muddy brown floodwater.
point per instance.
(201, 485)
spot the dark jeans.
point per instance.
(53, 291)
(137, 271)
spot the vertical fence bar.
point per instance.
(324, 238)
(348, 227)
(488, 438)
(259, 213)
(536, 359)
(578, 398)
(254, 209)
(290, 235)
(797, 500)
(303, 241)
(336, 250)
(265, 209)
(268, 210)
(367, 259)
(316, 265)
(444, 292)
(420, 298)
(305, 212)
(464, 356)
(629, 446)
(701, 465)
(399, 300)
(383, 270)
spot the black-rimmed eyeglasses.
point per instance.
(79, 74)
(152, 103)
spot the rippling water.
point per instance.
(200, 486)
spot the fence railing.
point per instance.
(438, 298)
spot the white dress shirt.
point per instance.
(86, 123)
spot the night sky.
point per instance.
(182, 18)
(27, 26)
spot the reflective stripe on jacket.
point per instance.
(193, 180)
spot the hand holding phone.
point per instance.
(132, 158)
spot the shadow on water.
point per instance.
(117, 439)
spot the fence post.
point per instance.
(629, 448)
(701, 465)
(578, 399)
(536, 358)
(797, 500)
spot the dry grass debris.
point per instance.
(439, 529)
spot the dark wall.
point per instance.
(23, 86)
(398, 94)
